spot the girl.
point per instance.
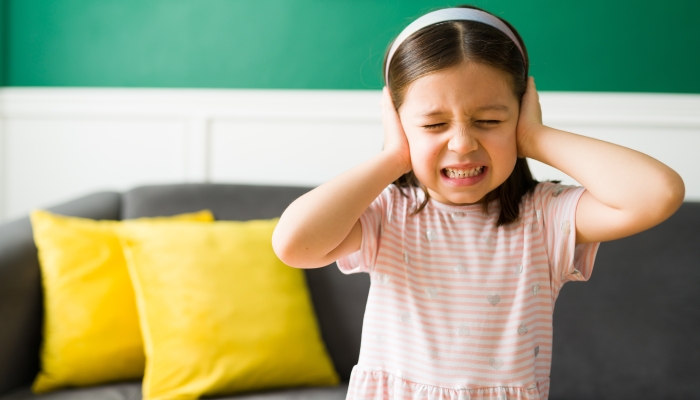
(466, 251)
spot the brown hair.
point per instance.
(444, 45)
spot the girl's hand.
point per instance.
(529, 120)
(395, 141)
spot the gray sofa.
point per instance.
(631, 332)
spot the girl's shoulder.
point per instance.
(547, 194)
(395, 193)
(391, 199)
(551, 200)
(547, 190)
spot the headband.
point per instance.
(450, 14)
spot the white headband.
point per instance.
(449, 14)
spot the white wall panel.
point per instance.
(60, 143)
(290, 152)
(676, 147)
(3, 174)
(50, 161)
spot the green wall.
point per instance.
(3, 37)
(593, 45)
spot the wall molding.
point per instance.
(204, 120)
(587, 108)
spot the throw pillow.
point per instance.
(91, 326)
(220, 313)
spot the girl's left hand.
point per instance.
(529, 120)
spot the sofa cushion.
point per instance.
(227, 202)
(633, 330)
(339, 300)
(220, 313)
(91, 328)
(20, 288)
(132, 391)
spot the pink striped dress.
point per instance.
(459, 309)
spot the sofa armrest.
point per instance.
(20, 288)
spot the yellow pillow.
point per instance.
(220, 313)
(91, 331)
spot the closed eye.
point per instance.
(434, 126)
(488, 122)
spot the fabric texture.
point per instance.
(21, 298)
(631, 332)
(91, 328)
(631, 322)
(458, 308)
(339, 300)
(220, 313)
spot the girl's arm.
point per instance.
(323, 225)
(626, 191)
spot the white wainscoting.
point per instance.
(57, 144)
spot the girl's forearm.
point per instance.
(319, 221)
(619, 177)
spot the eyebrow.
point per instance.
(496, 107)
(432, 113)
(493, 107)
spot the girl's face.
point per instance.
(460, 125)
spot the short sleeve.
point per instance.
(555, 207)
(372, 221)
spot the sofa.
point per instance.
(631, 332)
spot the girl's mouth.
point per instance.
(463, 177)
(454, 173)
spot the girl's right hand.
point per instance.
(395, 141)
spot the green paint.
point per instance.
(596, 45)
(3, 38)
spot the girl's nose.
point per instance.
(462, 142)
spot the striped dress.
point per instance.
(459, 309)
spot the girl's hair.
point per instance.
(447, 44)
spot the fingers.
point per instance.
(388, 105)
(531, 89)
(529, 120)
(386, 98)
(531, 102)
(390, 115)
(385, 93)
(395, 140)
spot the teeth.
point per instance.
(463, 173)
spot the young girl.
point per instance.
(466, 251)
